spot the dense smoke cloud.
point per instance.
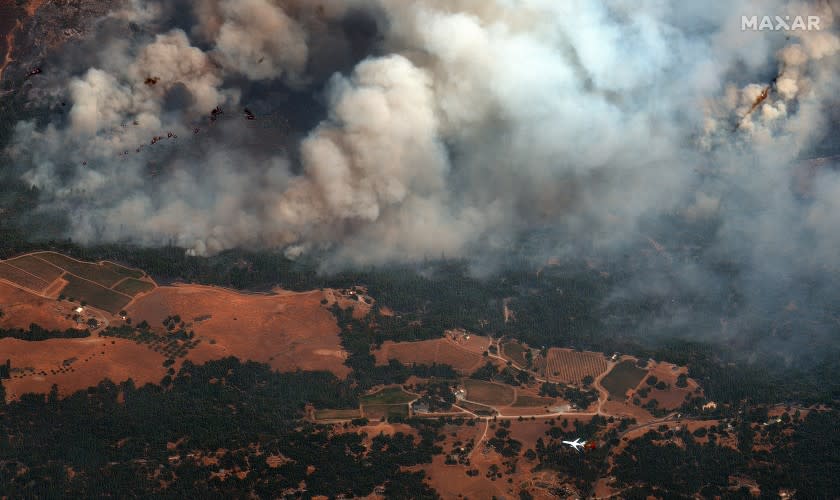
(440, 127)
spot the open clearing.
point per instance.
(76, 364)
(388, 395)
(623, 377)
(288, 331)
(515, 352)
(489, 393)
(21, 309)
(376, 411)
(571, 367)
(525, 401)
(428, 352)
(673, 396)
(337, 414)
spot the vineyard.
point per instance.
(571, 367)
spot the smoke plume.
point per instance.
(386, 130)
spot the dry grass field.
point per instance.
(673, 396)
(337, 414)
(423, 352)
(489, 393)
(451, 481)
(76, 364)
(376, 412)
(288, 331)
(527, 401)
(570, 367)
(515, 352)
(426, 352)
(623, 377)
(21, 309)
(388, 395)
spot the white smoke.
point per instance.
(467, 122)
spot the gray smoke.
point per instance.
(442, 127)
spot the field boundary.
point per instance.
(56, 287)
(24, 271)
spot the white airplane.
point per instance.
(576, 444)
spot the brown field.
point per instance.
(515, 352)
(622, 409)
(54, 290)
(476, 408)
(337, 414)
(99, 273)
(21, 309)
(524, 400)
(22, 278)
(288, 331)
(460, 360)
(131, 286)
(473, 343)
(570, 367)
(427, 352)
(623, 377)
(376, 412)
(95, 295)
(36, 366)
(674, 396)
(423, 352)
(36, 266)
(451, 481)
(489, 393)
(388, 396)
